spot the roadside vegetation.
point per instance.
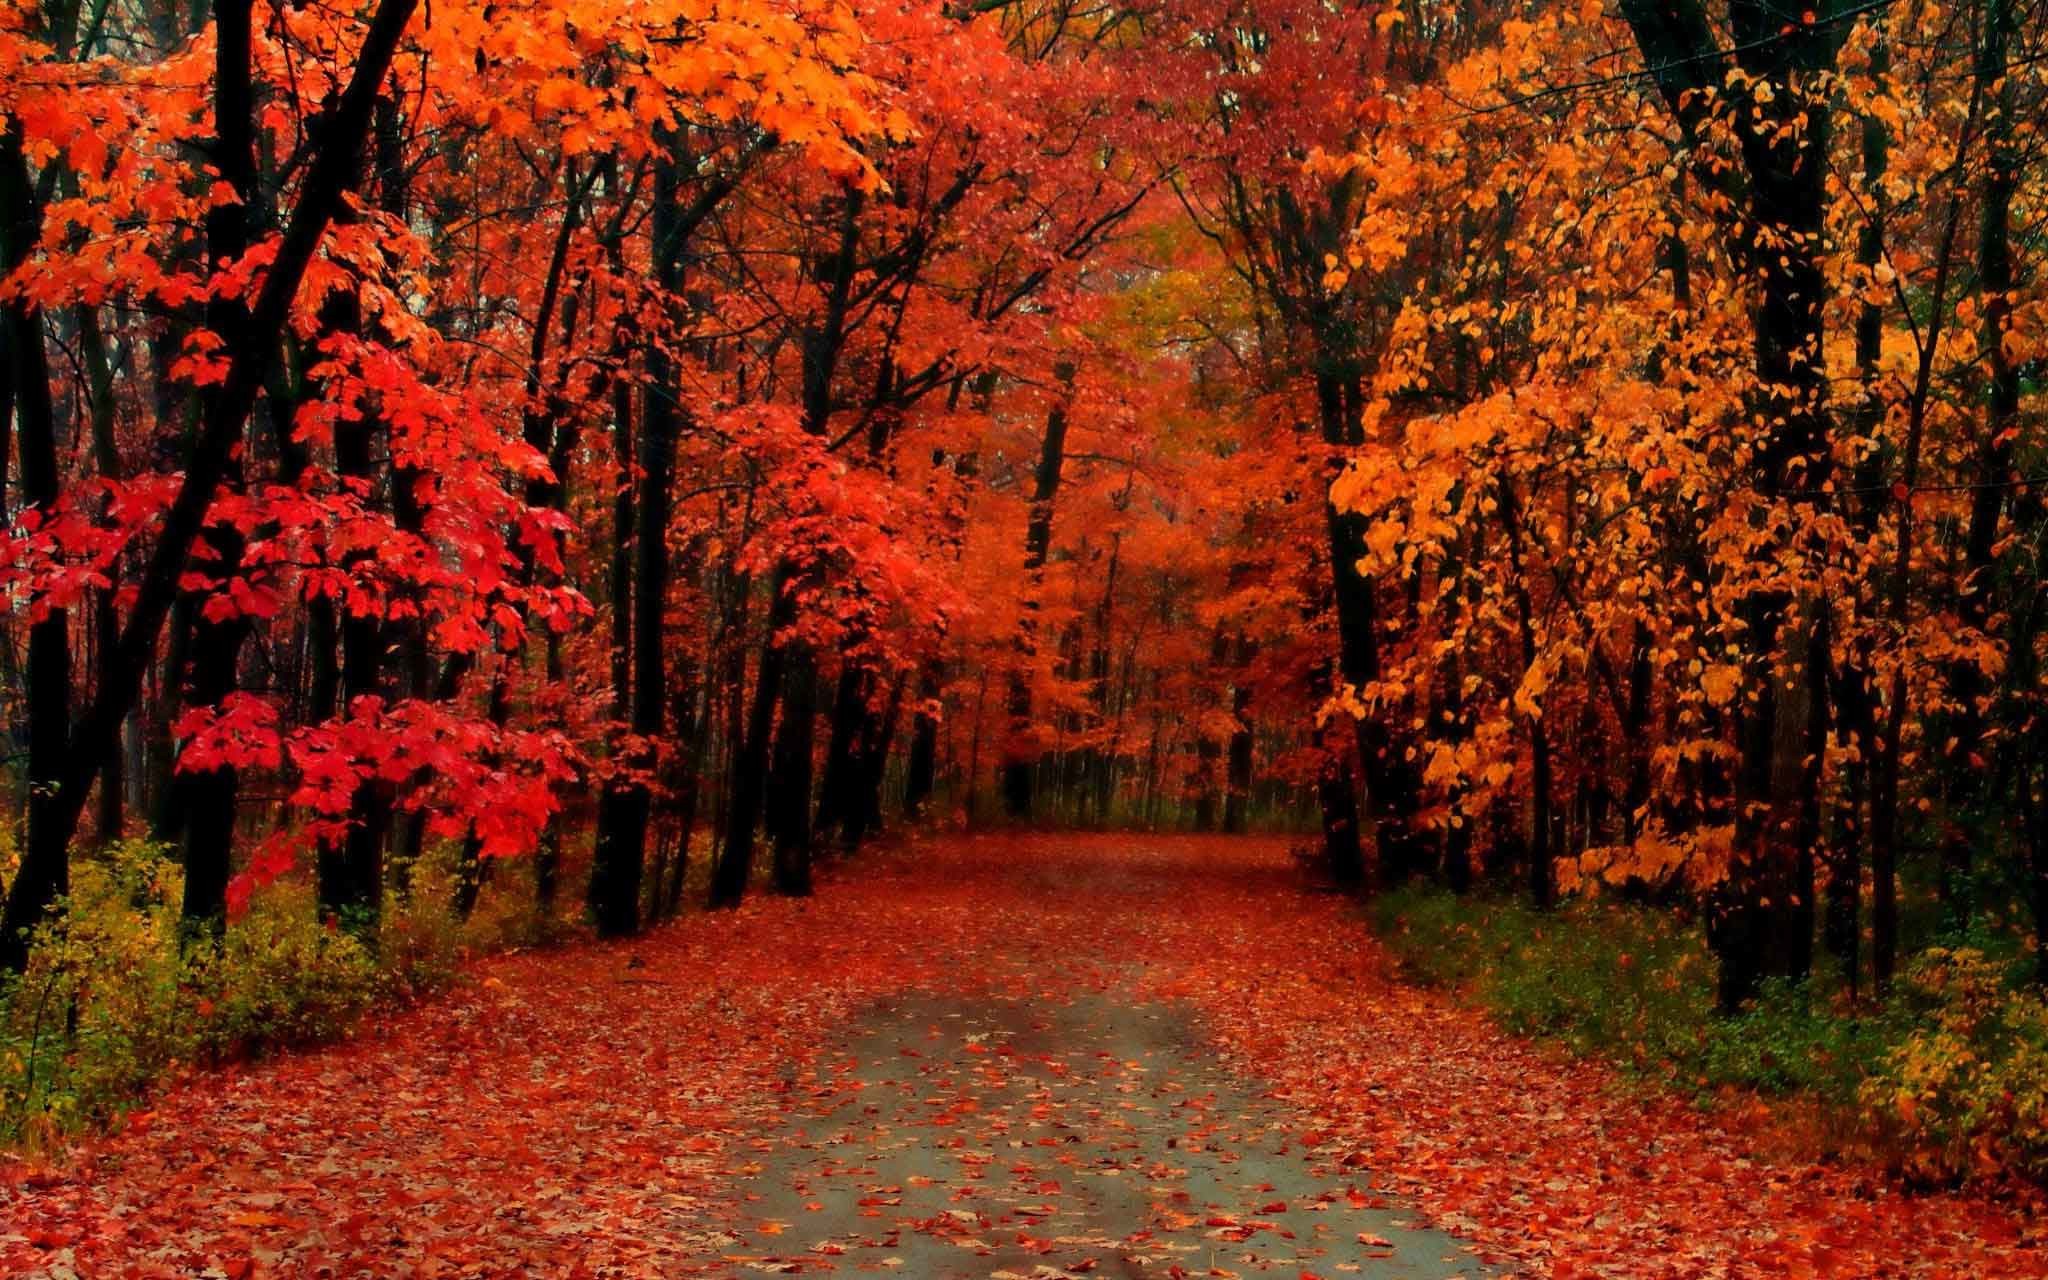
(1946, 1079)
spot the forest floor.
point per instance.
(999, 1056)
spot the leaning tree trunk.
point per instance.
(224, 413)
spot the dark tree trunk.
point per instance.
(1855, 694)
(872, 761)
(1338, 804)
(789, 785)
(352, 874)
(1782, 129)
(45, 872)
(849, 723)
(619, 854)
(1390, 784)
(208, 799)
(2034, 828)
(1207, 752)
(693, 714)
(921, 773)
(106, 621)
(1967, 761)
(1238, 779)
(1020, 757)
(621, 809)
(735, 868)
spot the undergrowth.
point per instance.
(1946, 1079)
(114, 1001)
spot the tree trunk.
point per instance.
(790, 782)
(1968, 686)
(872, 763)
(1390, 785)
(735, 868)
(1782, 129)
(922, 771)
(44, 875)
(1855, 695)
(619, 854)
(1020, 755)
(1238, 779)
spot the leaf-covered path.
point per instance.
(1029, 1056)
(1034, 1136)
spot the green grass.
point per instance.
(1948, 1078)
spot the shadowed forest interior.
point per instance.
(480, 471)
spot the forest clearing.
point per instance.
(597, 591)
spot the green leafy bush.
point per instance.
(278, 977)
(1949, 1077)
(103, 1008)
(114, 998)
(1968, 1085)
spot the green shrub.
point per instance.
(1950, 1076)
(1632, 985)
(278, 977)
(1968, 1085)
(112, 1001)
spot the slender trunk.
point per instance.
(872, 767)
(2034, 829)
(922, 770)
(790, 781)
(693, 714)
(849, 722)
(1238, 778)
(106, 620)
(619, 853)
(1391, 798)
(1884, 822)
(1968, 685)
(970, 801)
(1808, 836)
(1542, 801)
(1020, 754)
(1855, 681)
(735, 869)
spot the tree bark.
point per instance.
(1967, 759)
(790, 779)
(735, 867)
(1020, 757)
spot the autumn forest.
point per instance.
(1466, 581)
